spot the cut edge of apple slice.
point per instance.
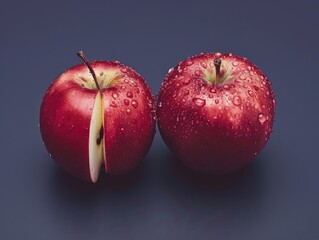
(96, 139)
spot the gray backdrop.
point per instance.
(276, 197)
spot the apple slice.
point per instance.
(96, 140)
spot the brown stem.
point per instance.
(217, 63)
(87, 63)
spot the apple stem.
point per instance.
(87, 63)
(217, 63)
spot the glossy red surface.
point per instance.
(215, 128)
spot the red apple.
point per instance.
(215, 112)
(95, 114)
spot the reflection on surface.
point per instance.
(159, 192)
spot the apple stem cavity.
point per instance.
(87, 63)
(217, 63)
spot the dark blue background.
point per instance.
(276, 197)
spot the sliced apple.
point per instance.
(96, 139)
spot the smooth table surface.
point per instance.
(276, 197)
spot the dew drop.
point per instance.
(129, 94)
(203, 64)
(274, 102)
(170, 70)
(128, 111)
(197, 73)
(113, 104)
(126, 102)
(123, 87)
(186, 92)
(218, 54)
(226, 86)
(212, 90)
(186, 82)
(189, 63)
(160, 104)
(236, 101)
(199, 102)
(256, 88)
(250, 93)
(235, 63)
(216, 101)
(242, 77)
(134, 103)
(124, 70)
(261, 118)
(114, 95)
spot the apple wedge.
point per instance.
(96, 140)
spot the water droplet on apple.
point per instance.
(134, 103)
(114, 95)
(117, 62)
(242, 77)
(256, 88)
(216, 101)
(170, 70)
(199, 102)
(189, 63)
(113, 104)
(197, 73)
(129, 94)
(250, 93)
(261, 118)
(274, 102)
(126, 102)
(226, 86)
(186, 82)
(235, 63)
(128, 111)
(160, 104)
(124, 70)
(123, 87)
(203, 64)
(212, 90)
(236, 100)
(186, 92)
(218, 54)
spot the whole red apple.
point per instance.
(95, 114)
(215, 112)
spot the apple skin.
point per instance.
(66, 112)
(215, 129)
